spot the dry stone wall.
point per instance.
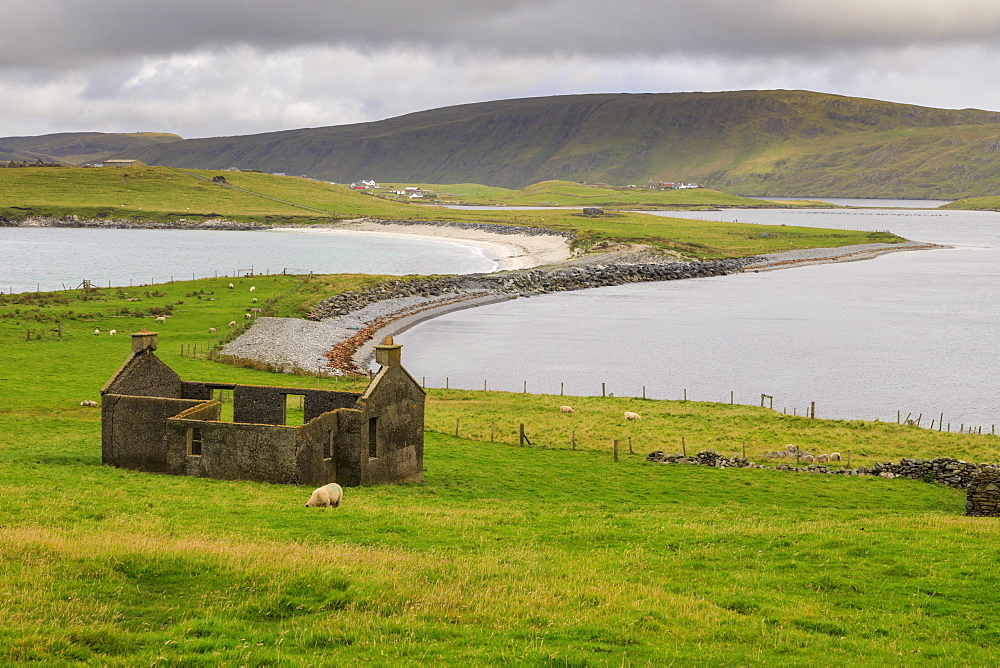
(943, 470)
(983, 497)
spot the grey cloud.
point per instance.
(64, 33)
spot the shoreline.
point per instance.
(512, 250)
(342, 330)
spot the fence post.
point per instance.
(630, 451)
(446, 382)
(492, 426)
(521, 435)
(456, 427)
(730, 397)
(602, 390)
(616, 449)
(643, 391)
(684, 449)
(812, 410)
(561, 387)
(573, 439)
(685, 394)
(525, 391)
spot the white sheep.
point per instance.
(254, 300)
(161, 318)
(88, 402)
(232, 323)
(96, 332)
(253, 288)
(822, 459)
(834, 456)
(247, 316)
(327, 496)
(629, 415)
(566, 409)
(790, 448)
(112, 332)
(808, 459)
(211, 330)
(231, 286)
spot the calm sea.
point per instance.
(912, 332)
(49, 258)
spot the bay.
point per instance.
(50, 258)
(911, 332)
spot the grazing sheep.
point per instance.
(247, 316)
(834, 456)
(327, 496)
(232, 323)
(161, 318)
(253, 288)
(254, 300)
(231, 286)
(96, 332)
(566, 409)
(211, 330)
(112, 332)
(629, 415)
(790, 448)
(808, 459)
(822, 459)
(88, 402)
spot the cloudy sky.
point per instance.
(221, 67)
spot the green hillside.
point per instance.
(778, 143)
(505, 555)
(567, 193)
(171, 195)
(976, 203)
(76, 148)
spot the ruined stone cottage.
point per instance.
(154, 421)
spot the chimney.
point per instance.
(143, 341)
(387, 353)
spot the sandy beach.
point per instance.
(506, 251)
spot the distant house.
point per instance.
(121, 163)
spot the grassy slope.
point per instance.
(79, 147)
(539, 555)
(975, 203)
(566, 193)
(786, 143)
(153, 193)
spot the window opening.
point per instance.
(328, 446)
(295, 410)
(373, 437)
(194, 441)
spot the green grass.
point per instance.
(975, 203)
(566, 193)
(154, 193)
(539, 556)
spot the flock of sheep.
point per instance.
(628, 415)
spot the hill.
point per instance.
(778, 143)
(76, 148)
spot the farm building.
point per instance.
(154, 421)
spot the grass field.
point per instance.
(975, 203)
(566, 193)
(153, 193)
(537, 556)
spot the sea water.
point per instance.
(50, 258)
(913, 332)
